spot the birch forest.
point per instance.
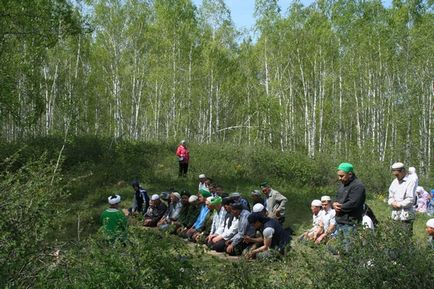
(340, 77)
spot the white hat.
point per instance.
(316, 203)
(176, 194)
(114, 199)
(258, 208)
(411, 170)
(325, 198)
(430, 223)
(192, 199)
(419, 189)
(235, 195)
(183, 141)
(202, 176)
(397, 166)
(155, 197)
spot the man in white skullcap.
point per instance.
(401, 197)
(430, 231)
(114, 222)
(202, 183)
(316, 230)
(327, 219)
(155, 212)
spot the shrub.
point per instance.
(31, 208)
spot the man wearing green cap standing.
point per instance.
(349, 200)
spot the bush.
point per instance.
(31, 209)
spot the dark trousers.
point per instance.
(183, 168)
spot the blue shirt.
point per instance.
(201, 218)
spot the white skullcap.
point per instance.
(316, 203)
(176, 194)
(114, 199)
(235, 195)
(155, 197)
(325, 198)
(202, 176)
(258, 208)
(430, 223)
(192, 199)
(183, 141)
(411, 170)
(397, 166)
(419, 189)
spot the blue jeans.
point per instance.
(346, 231)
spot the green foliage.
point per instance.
(31, 203)
(384, 259)
(148, 260)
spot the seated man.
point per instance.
(188, 215)
(257, 198)
(327, 219)
(114, 223)
(275, 237)
(218, 219)
(316, 230)
(172, 214)
(155, 211)
(238, 199)
(197, 227)
(140, 199)
(236, 245)
(230, 228)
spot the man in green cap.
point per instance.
(349, 200)
(275, 202)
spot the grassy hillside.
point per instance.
(92, 169)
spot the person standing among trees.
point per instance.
(183, 155)
(349, 201)
(401, 197)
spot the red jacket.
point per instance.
(182, 152)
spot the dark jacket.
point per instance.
(352, 197)
(280, 236)
(156, 213)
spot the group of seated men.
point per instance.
(223, 222)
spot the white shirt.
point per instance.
(203, 186)
(232, 230)
(328, 218)
(316, 219)
(403, 193)
(218, 222)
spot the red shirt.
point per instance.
(182, 152)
